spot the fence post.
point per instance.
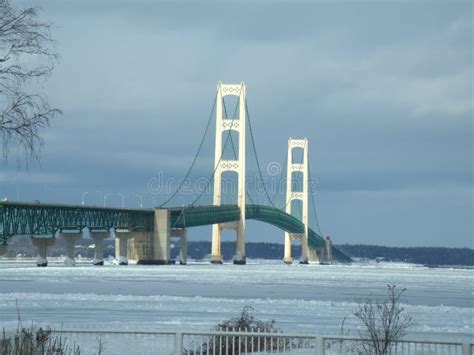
(320, 348)
(466, 349)
(178, 343)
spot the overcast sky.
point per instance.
(382, 90)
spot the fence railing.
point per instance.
(113, 341)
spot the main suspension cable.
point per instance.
(196, 155)
(279, 185)
(314, 204)
(211, 178)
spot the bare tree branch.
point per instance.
(384, 322)
(26, 53)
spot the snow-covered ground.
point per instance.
(300, 298)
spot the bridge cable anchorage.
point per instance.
(211, 178)
(255, 154)
(313, 203)
(196, 155)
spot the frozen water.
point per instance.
(301, 298)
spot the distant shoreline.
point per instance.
(198, 250)
(358, 261)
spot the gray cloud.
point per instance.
(383, 91)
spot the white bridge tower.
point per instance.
(297, 195)
(224, 124)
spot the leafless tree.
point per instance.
(384, 322)
(27, 57)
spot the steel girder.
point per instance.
(35, 218)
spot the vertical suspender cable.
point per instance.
(255, 154)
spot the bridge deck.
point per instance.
(37, 218)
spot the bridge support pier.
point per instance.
(216, 256)
(70, 238)
(161, 237)
(121, 246)
(313, 255)
(327, 259)
(42, 243)
(99, 236)
(183, 244)
(183, 248)
(239, 258)
(3, 249)
(304, 249)
(153, 247)
(287, 259)
(141, 249)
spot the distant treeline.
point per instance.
(419, 255)
(201, 249)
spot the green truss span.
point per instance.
(205, 215)
(33, 219)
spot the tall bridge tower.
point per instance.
(237, 165)
(297, 195)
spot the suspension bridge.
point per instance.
(144, 234)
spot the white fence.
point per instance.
(111, 341)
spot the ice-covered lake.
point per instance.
(300, 298)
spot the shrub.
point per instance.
(242, 344)
(29, 341)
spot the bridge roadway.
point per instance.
(21, 218)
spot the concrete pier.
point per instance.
(182, 234)
(121, 246)
(161, 237)
(183, 247)
(3, 249)
(70, 238)
(153, 247)
(42, 243)
(328, 250)
(141, 249)
(304, 248)
(287, 259)
(313, 255)
(217, 259)
(239, 258)
(216, 256)
(98, 236)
